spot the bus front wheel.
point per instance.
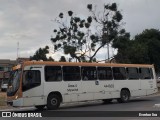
(53, 102)
(124, 96)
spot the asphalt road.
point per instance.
(94, 109)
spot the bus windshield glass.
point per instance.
(14, 82)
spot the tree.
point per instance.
(62, 59)
(122, 43)
(150, 39)
(83, 38)
(143, 49)
(40, 54)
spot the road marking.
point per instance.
(157, 105)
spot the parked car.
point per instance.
(4, 85)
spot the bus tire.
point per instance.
(106, 101)
(124, 96)
(53, 102)
(40, 107)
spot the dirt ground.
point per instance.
(2, 99)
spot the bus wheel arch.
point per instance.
(53, 100)
(124, 95)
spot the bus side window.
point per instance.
(89, 73)
(71, 73)
(104, 73)
(145, 73)
(151, 73)
(31, 79)
(119, 73)
(132, 73)
(27, 77)
(53, 73)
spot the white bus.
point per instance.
(41, 84)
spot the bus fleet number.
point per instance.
(109, 86)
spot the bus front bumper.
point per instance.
(17, 103)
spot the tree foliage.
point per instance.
(40, 54)
(143, 49)
(83, 38)
(62, 59)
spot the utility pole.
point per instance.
(17, 50)
(108, 51)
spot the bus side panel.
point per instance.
(149, 86)
(71, 90)
(154, 79)
(118, 85)
(50, 87)
(33, 96)
(33, 101)
(104, 89)
(132, 85)
(87, 92)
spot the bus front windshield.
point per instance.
(14, 82)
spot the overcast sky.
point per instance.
(29, 22)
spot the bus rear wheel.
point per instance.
(124, 96)
(53, 102)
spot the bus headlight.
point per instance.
(16, 97)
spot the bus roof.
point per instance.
(26, 63)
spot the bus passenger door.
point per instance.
(32, 86)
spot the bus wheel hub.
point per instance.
(54, 101)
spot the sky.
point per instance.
(30, 24)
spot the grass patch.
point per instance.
(3, 99)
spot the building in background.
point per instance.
(6, 66)
(20, 60)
